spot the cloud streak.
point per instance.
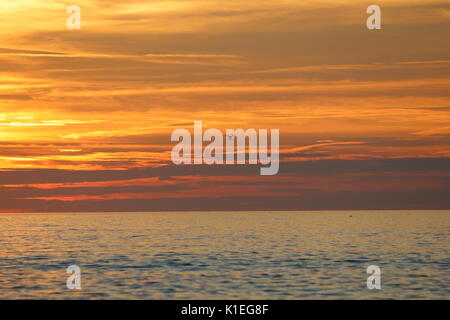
(86, 115)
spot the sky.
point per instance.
(86, 115)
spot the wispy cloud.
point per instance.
(101, 102)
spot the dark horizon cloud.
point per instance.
(426, 199)
(311, 185)
(318, 167)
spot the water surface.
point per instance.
(226, 255)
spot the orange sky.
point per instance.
(105, 99)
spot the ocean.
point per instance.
(226, 255)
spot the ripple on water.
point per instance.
(215, 255)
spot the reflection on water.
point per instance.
(226, 255)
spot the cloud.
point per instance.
(435, 131)
(15, 97)
(86, 115)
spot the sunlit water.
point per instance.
(225, 255)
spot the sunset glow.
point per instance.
(86, 115)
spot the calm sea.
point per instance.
(226, 255)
